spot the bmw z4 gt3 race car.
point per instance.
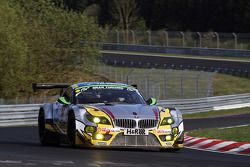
(108, 114)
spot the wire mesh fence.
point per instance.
(29, 100)
(162, 83)
(181, 39)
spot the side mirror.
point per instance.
(63, 100)
(151, 101)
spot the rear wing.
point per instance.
(36, 86)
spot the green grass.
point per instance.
(219, 113)
(240, 134)
(227, 84)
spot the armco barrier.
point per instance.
(26, 114)
(177, 50)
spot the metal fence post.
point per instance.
(217, 39)
(199, 35)
(235, 40)
(149, 37)
(181, 88)
(183, 38)
(147, 85)
(133, 36)
(117, 36)
(197, 85)
(166, 35)
(16, 101)
(165, 85)
(130, 72)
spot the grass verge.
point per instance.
(227, 84)
(239, 134)
(219, 113)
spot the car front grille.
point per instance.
(122, 140)
(125, 123)
(131, 123)
(147, 123)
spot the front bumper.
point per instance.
(114, 137)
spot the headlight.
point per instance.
(98, 136)
(175, 130)
(169, 137)
(98, 120)
(167, 121)
(90, 129)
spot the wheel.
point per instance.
(46, 137)
(71, 129)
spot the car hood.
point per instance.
(120, 111)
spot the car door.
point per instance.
(61, 114)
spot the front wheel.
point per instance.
(46, 137)
(71, 129)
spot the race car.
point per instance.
(105, 114)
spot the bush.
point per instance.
(41, 39)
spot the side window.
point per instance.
(68, 94)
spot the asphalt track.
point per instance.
(151, 60)
(19, 147)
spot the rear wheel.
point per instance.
(71, 129)
(46, 137)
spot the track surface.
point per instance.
(20, 147)
(174, 62)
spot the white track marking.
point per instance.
(228, 127)
(101, 163)
(10, 162)
(231, 153)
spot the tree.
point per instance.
(41, 42)
(13, 50)
(125, 12)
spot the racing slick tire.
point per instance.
(46, 137)
(71, 129)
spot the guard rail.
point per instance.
(213, 52)
(26, 114)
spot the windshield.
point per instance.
(109, 96)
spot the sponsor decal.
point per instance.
(102, 143)
(163, 131)
(156, 113)
(108, 130)
(136, 132)
(107, 111)
(168, 143)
